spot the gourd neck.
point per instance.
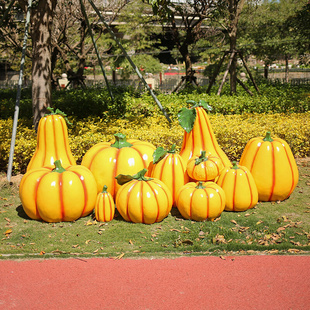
(200, 185)
(120, 141)
(58, 167)
(268, 137)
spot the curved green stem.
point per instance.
(200, 185)
(105, 189)
(235, 166)
(120, 141)
(201, 158)
(58, 167)
(268, 137)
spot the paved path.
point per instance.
(240, 282)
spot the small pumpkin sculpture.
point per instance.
(204, 167)
(106, 160)
(201, 202)
(272, 164)
(52, 142)
(198, 133)
(57, 195)
(105, 207)
(143, 200)
(239, 187)
(169, 167)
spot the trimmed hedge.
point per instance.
(231, 131)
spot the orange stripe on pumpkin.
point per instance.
(273, 172)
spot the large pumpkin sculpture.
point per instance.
(201, 202)
(239, 187)
(143, 200)
(106, 160)
(169, 167)
(57, 195)
(272, 164)
(52, 142)
(198, 134)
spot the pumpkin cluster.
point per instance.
(143, 182)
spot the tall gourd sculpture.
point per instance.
(169, 167)
(52, 142)
(272, 164)
(198, 133)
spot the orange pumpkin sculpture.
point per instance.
(105, 207)
(239, 187)
(57, 195)
(106, 160)
(198, 134)
(143, 200)
(204, 167)
(201, 202)
(52, 142)
(272, 164)
(169, 167)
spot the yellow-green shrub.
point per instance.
(231, 131)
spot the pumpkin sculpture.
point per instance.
(201, 202)
(272, 164)
(56, 195)
(106, 160)
(52, 142)
(239, 187)
(105, 207)
(143, 200)
(170, 168)
(204, 168)
(198, 134)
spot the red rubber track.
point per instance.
(240, 282)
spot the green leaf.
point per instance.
(205, 105)
(187, 119)
(159, 154)
(123, 178)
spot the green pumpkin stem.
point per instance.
(120, 141)
(201, 158)
(105, 189)
(268, 137)
(172, 149)
(58, 167)
(235, 166)
(200, 185)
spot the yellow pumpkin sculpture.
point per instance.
(170, 168)
(201, 202)
(239, 187)
(105, 207)
(58, 195)
(272, 164)
(198, 134)
(106, 160)
(52, 142)
(143, 200)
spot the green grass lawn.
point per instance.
(270, 228)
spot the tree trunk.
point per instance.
(266, 70)
(42, 18)
(286, 69)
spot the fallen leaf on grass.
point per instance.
(42, 253)
(130, 242)
(259, 222)
(219, 239)
(234, 222)
(8, 232)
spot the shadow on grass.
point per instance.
(21, 213)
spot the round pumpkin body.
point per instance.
(171, 170)
(144, 202)
(105, 207)
(201, 202)
(106, 160)
(58, 196)
(204, 167)
(202, 138)
(272, 164)
(239, 187)
(52, 143)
